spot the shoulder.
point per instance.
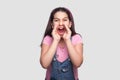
(47, 37)
(77, 38)
(47, 40)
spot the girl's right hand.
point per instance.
(55, 35)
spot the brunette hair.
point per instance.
(48, 30)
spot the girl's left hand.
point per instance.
(67, 34)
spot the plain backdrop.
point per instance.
(22, 25)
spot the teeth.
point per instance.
(61, 28)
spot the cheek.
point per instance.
(68, 24)
(55, 24)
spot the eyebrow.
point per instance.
(58, 18)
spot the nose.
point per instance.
(61, 22)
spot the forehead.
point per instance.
(60, 14)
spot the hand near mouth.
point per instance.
(67, 33)
(55, 34)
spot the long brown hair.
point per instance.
(48, 30)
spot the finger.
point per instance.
(67, 28)
(55, 27)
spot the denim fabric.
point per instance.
(62, 70)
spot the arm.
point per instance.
(75, 52)
(47, 53)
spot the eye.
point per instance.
(55, 20)
(65, 19)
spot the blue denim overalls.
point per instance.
(62, 70)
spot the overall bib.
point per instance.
(62, 70)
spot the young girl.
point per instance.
(61, 47)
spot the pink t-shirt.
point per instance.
(62, 54)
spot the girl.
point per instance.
(61, 47)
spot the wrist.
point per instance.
(55, 41)
(67, 40)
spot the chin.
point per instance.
(61, 34)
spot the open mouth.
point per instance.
(61, 30)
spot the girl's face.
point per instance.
(60, 21)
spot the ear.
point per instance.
(52, 25)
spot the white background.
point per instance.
(22, 24)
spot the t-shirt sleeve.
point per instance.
(47, 40)
(77, 39)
